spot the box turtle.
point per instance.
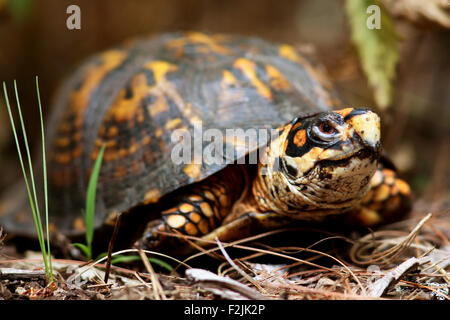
(164, 108)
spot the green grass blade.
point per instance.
(87, 252)
(90, 199)
(44, 169)
(132, 258)
(32, 204)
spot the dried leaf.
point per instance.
(377, 48)
(435, 12)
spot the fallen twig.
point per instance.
(20, 274)
(379, 287)
(225, 287)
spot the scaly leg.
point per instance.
(197, 213)
(388, 199)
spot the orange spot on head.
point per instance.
(300, 138)
(295, 126)
(344, 112)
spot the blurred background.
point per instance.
(34, 40)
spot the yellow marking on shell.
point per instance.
(206, 209)
(123, 153)
(78, 224)
(300, 138)
(159, 132)
(159, 106)
(382, 193)
(228, 79)
(248, 68)
(113, 131)
(79, 99)
(193, 170)
(176, 221)
(344, 112)
(288, 52)
(133, 147)
(199, 38)
(403, 187)
(146, 140)
(277, 80)
(171, 124)
(186, 207)
(160, 69)
(125, 110)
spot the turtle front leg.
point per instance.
(388, 199)
(197, 213)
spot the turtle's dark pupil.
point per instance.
(326, 128)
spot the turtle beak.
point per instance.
(366, 125)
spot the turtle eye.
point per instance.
(323, 132)
(326, 128)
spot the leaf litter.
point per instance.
(408, 260)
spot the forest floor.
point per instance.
(408, 260)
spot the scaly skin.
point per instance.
(318, 166)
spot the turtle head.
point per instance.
(324, 161)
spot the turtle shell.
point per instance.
(133, 97)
